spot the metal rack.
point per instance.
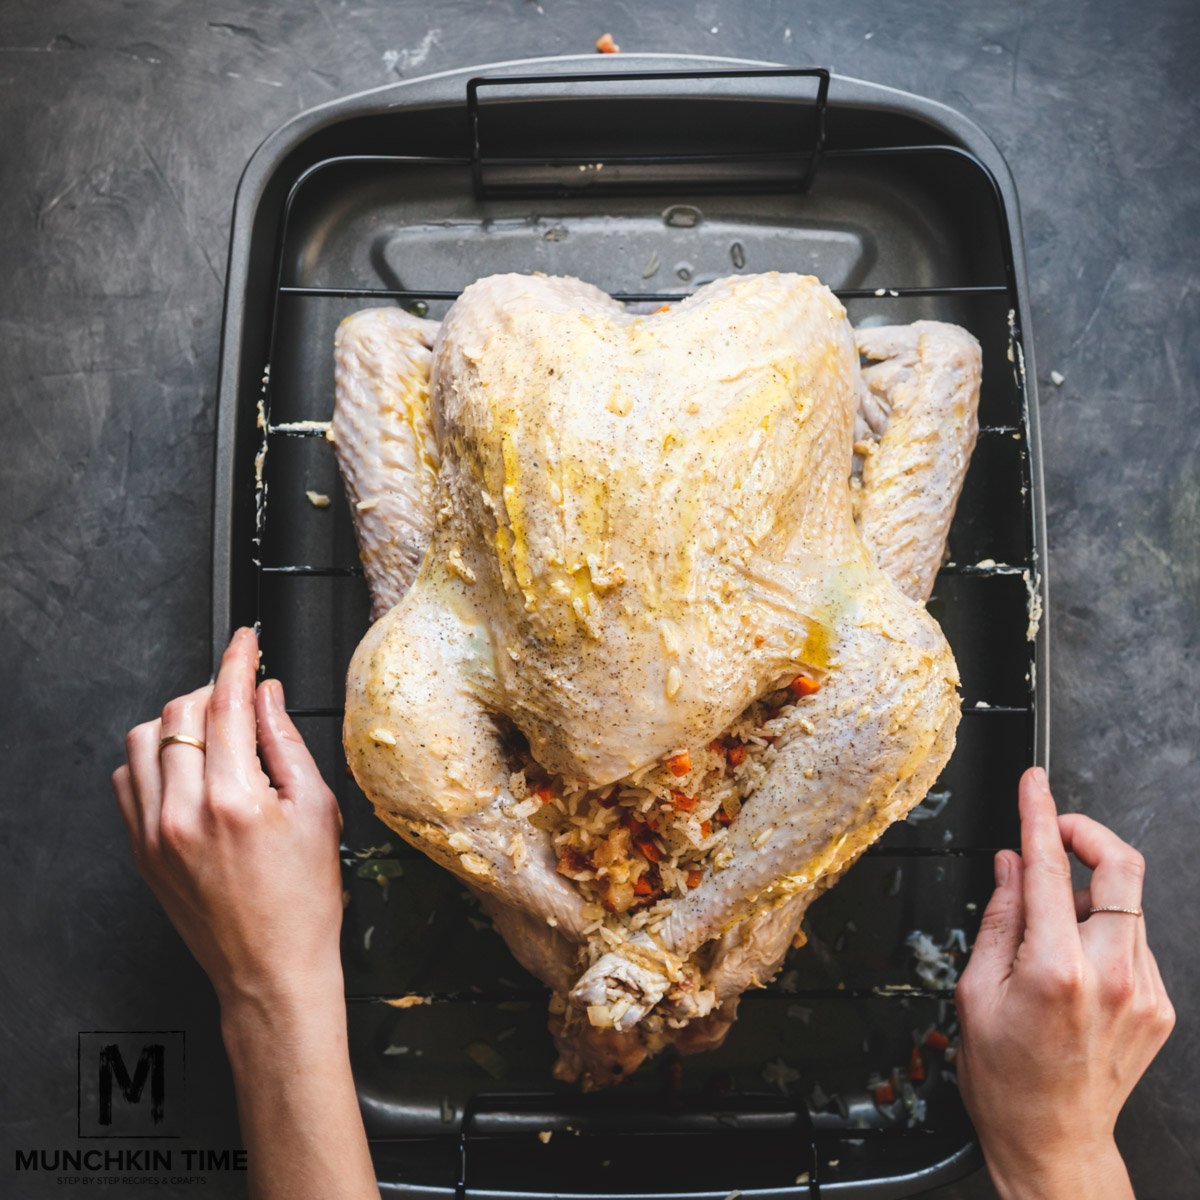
(795, 172)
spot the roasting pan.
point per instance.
(646, 175)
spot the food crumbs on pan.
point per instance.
(544, 1136)
(779, 1074)
(370, 932)
(1057, 378)
(410, 1001)
(606, 45)
(487, 1057)
(381, 736)
(1033, 587)
(317, 499)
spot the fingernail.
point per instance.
(277, 694)
(1039, 777)
(1003, 869)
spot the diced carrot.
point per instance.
(694, 876)
(804, 685)
(545, 793)
(682, 801)
(706, 828)
(916, 1065)
(642, 886)
(737, 754)
(717, 747)
(885, 1093)
(606, 45)
(759, 639)
(665, 308)
(645, 843)
(936, 1040)
(680, 764)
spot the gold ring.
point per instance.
(1133, 912)
(181, 739)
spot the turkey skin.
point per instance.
(651, 665)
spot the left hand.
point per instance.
(1062, 1007)
(239, 841)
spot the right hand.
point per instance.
(1061, 1012)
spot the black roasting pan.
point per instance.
(646, 175)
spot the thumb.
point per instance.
(291, 767)
(1001, 929)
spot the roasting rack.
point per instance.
(646, 181)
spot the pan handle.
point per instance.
(607, 1144)
(575, 171)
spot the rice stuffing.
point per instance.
(633, 847)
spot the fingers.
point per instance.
(145, 777)
(232, 770)
(122, 786)
(1001, 928)
(1117, 873)
(1051, 929)
(1163, 1009)
(289, 764)
(182, 765)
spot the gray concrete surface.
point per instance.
(123, 132)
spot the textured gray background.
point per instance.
(122, 133)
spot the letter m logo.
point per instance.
(130, 1083)
(151, 1063)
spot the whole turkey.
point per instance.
(651, 665)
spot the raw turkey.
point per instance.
(651, 665)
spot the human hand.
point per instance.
(1061, 1012)
(244, 861)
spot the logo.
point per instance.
(131, 1083)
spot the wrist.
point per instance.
(287, 1019)
(1095, 1170)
